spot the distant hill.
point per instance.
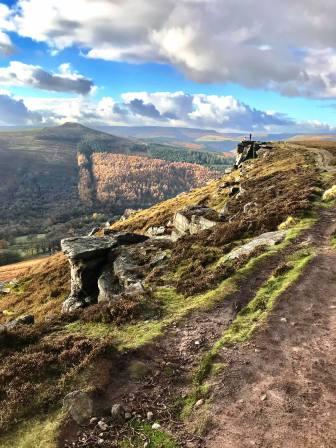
(42, 176)
(200, 139)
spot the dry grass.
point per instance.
(17, 270)
(40, 292)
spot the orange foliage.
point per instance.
(133, 180)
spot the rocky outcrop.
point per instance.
(156, 231)
(27, 319)
(266, 239)
(192, 220)
(88, 256)
(126, 273)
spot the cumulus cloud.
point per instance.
(221, 113)
(20, 74)
(288, 46)
(6, 45)
(15, 112)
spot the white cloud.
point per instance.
(222, 113)
(6, 45)
(288, 46)
(20, 74)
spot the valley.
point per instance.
(221, 336)
(47, 189)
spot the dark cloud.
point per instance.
(14, 112)
(137, 106)
(18, 73)
(48, 81)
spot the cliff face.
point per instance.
(199, 272)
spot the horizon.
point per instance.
(143, 64)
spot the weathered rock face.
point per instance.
(193, 220)
(108, 284)
(79, 406)
(246, 150)
(87, 257)
(266, 239)
(126, 270)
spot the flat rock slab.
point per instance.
(87, 247)
(266, 239)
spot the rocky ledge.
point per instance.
(88, 257)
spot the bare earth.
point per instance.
(280, 390)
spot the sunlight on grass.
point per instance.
(37, 433)
(156, 438)
(175, 306)
(255, 313)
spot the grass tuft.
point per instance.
(330, 194)
(156, 438)
(255, 313)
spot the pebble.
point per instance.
(102, 425)
(100, 441)
(156, 426)
(283, 319)
(150, 415)
(199, 403)
(117, 411)
(263, 397)
(93, 420)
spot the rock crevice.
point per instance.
(89, 257)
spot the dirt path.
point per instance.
(324, 159)
(279, 391)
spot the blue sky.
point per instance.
(230, 77)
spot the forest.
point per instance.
(142, 181)
(178, 154)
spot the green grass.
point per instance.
(256, 312)
(37, 433)
(175, 306)
(333, 240)
(157, 438)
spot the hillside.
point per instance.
(216, 330)
(42, 182)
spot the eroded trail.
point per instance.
(279, 390)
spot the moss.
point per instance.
(252, 316)
(156, 438)
(333, 240)
(37, 433)
(289, 223)
(330, 194)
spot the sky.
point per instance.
(228, 65)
